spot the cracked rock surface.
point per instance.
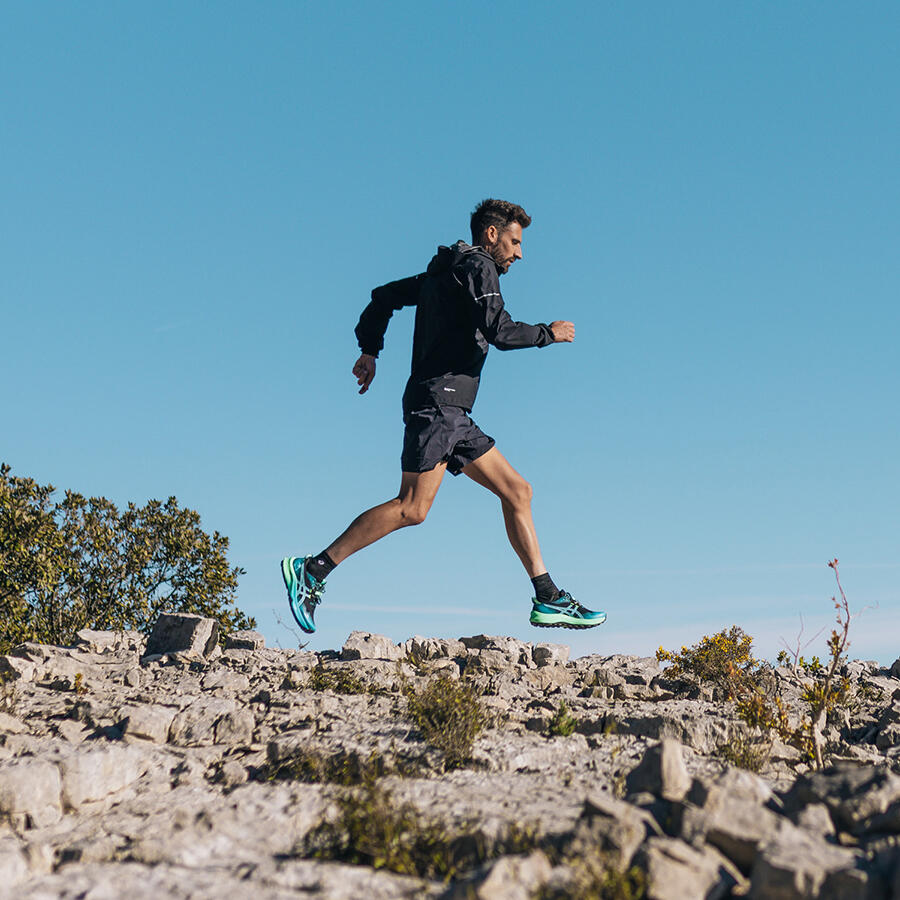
(184, 770)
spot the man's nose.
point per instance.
(518, 252)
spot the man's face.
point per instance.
(504, 246)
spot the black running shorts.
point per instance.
(441, 434)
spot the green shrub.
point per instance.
(450, 715)
(724, 659)
(7, 693)
(336, 679)
(82, 563)
(315, 767)
(595, 878)
(749, 752)
(372, 829)
(562, 724)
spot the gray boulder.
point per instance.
(507, 878)
(363, 645)
(245, 640)
(149, 722)
(30, 792)
(93, 774)
(859, 798)
(796, 864)
(676, 871)
(661, 772)
(613, 826)
(545, 654)
(189, 635)
(13, 864)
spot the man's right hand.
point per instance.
(563, 332)
(364, 370)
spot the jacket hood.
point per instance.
(447, 257)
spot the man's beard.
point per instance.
(503, 262)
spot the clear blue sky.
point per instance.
(197, 198)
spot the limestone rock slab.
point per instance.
(92, 774)
(245, 640)
(193, 636)
(676, 871)
(797, 864)
(30, 792)
(364, 645)
(150, 722)
(661, 772)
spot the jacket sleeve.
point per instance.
(482, 284)
(375, 317)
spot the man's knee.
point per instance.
(519, 493)
(413, 513)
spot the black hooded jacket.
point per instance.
(459, 312)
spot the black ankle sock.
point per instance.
(320, 566)
(545, 590)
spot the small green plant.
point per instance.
(812, 666)
(595, 878)
(337, 680)
(78, 685)
(450, 715)
(418, 660)
(345, 769)
(7, 693)
(746, 751)
(831, 690)
(373, 829)
(563, 723)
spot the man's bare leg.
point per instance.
(493, 471)
(409, 507)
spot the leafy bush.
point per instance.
(596, 878)
(7, 693)
(450, 716)
(338, 680)
(723, 659)
(82, 563)
(749, 752)
(312, 766)
(563, 723)
(372, 829)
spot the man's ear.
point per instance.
(490, 235)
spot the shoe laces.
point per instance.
(316, 589)
(571, 602)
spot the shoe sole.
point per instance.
(561, 622)
(287, 574)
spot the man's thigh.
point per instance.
(493, 471)
(420, 488)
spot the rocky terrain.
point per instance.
(173, 768)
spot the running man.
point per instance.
(459, 313)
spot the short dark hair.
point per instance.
(499, 213)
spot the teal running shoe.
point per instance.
(304, 591)
(565, 612)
